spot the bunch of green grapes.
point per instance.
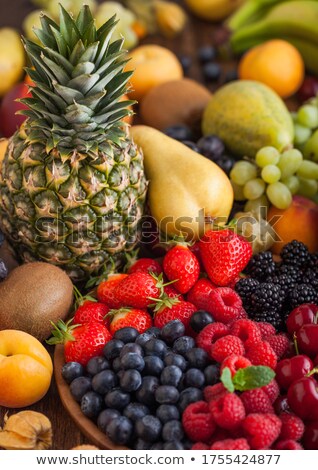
(306, 129)
(274, 178)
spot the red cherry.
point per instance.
(308, 89)
(281, 405)
(289, 370)
(303, 398)
(310, 437)
(316, 361)
(9, 120)
(300, 316)
(307, 340)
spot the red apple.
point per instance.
(9, 120)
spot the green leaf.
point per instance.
(253, 377)
(226, 379)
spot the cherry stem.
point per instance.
(295, 343)
(312, 372)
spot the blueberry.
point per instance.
(175, 445)
(135, 411)
(167, 413)
(179, 132)
(172, 331)
(130, 381)
(153, 365)
(183, 344)
(189, 395)
(172, 431)
(105, 417)
(155, 347)
(148, 428)
(146, 393)
(157, 446)
(211, 71)
(144, 337)
(226, 163)
(193, 146)
(199, 320)
(116, 364)
(121, 373)
(131, 347)
(166, 394)
(91, 404)
(211, 146)
(171, 375)
(197, 357)
(141, 444)
(154, 331)
(186, 62)
(112, 349)
(212, 374)
(132, 361)
(79, 387)
(206, 53)
(173, 359)
(117, 399)
(127, 334)
(194, 378)
(3, 270)
(104, 381)
(120, 430)
(72, 370)
(96, 365)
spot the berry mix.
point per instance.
(212, 348)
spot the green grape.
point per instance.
(302, 134)
(289, 162)
(254, 188)
(271, 173)
(267, 156)
(311, 148)
(308, 170)
(130, 38)
(242, 172)
(238, 192)
(307, 187)
(279, 195)
(292, 183)
(308, 116)
(32, 20)
(258, 206)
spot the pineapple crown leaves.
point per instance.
(79, 80)
(62, 332)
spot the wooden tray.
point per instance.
(88, 428)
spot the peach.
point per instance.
(25, 369)
(298, 222)
(152, 65)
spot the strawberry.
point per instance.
(81, 342)
(138, 290)
(168, 309)
(181, 264)
(171, 292)
(132, 317)
(199, 294)
(106, 290)
(224, 255)
(145, 265)
(90, 311)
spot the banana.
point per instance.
(213, 10)
(296, 19)
(12, 58)
(250, 12)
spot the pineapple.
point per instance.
(72, 185)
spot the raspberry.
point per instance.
(231, 444)
(288, 444)
(209, 334)
(214, 392)
(226, 346)
(198, 422)
(262, 354)
(200, 446)
(266, 329)
(280, 344)
(228, 411)
(292, 427)
(256, 401)
(272, 390)
(234, 363)
(247, 331)
(261, 430)
(220, 435)
(226, 304)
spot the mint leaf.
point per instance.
(252, 377)
(226, 379)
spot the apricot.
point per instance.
(25, 369)
(298, 222)
(152, 65)
(275, 63)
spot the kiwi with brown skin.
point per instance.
(33, 295)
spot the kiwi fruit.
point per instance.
(175, 102)
(33, 295)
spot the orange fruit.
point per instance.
(276, 63)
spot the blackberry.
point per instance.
(291, 271)
(311, 277)
(273, 317)
(261, 265)
(283, 281)
(295, 253)
(267, 297)
(302, 294)
(313, 261)
(245, 287)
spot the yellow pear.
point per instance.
(187, 192)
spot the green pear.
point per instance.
(187, 192)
